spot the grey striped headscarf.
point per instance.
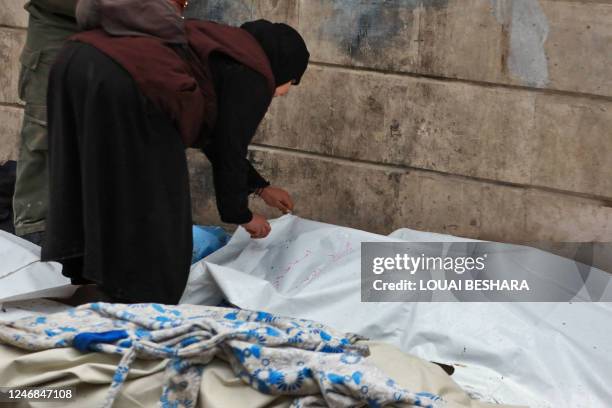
(150, 18)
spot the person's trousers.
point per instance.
(7, 188)
(47, 33)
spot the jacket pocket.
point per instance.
(34, 75)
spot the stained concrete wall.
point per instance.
(11, 110)
(481, 118)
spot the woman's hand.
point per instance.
(258, 227)
(277, 198)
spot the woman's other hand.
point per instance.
(277, 198)
(258, 227)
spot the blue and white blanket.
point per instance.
(273, 354)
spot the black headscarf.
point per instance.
(284, 47)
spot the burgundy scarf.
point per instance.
(141, 38)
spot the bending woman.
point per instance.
(125, 99)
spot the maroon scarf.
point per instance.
(180, 87)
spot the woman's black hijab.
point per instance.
(284, 47)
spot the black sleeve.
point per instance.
(256, 180)
(243, 98)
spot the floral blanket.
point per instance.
(273, 354)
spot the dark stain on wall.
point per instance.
(233, 12)
(505, 49)
(366, 28)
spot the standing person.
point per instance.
(125, 99)
(51, 22)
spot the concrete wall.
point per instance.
(11, 110)
(481, 118)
